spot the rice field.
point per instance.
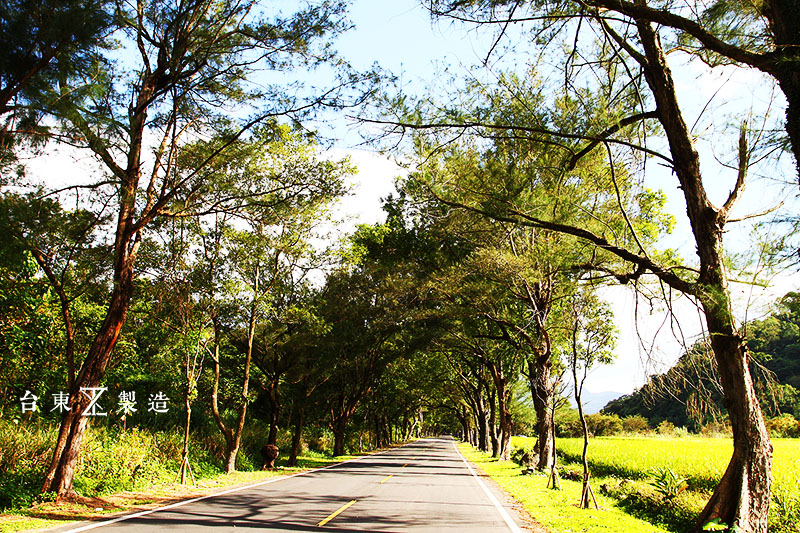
(701, 460)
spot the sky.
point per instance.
(401, 37)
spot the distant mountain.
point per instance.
(689, 394)
(593, 402)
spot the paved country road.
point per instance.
(422, 486)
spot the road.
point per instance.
(422, 486)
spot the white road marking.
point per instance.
(503, 513)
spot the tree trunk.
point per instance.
(275, 409)
(338, 438)
(505, 431)
(462, 417)
(231, 451)
(186, 426)
(501, 386)
(586, 486)
(481, 420)
(542, 394)
(785, 27)
(743, 496)
(297, 435)
(493, 424)
(61, 471)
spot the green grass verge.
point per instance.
(38, 516)
(557, 509)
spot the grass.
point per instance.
(701, 461)
(554, 509)
(51, 514)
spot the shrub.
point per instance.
(524, 456)
(716, 429)
(667, 482)
(25, 451)
(783, 426)
(666, 428)
(601, 425)
(321, 440)
(635, 424)
(569, 428)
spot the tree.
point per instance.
(603, 121)
(45, 43)
(66, 247)
(268, 246)
(191, 66)
(764, 36)
(591, 341)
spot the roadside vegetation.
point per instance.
(663, 479)
(181, 305)
(557, 510)
(123, 469)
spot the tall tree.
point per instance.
(604, 124)
(191, 66)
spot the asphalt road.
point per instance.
(422, 486)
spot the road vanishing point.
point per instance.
(426, 485)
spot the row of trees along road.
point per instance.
(136, 85)
(509, 223)
(615, 97)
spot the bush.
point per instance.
(25, 451)
(601, 425)
(666, 429)
(783, 426)
(569, 428)
(524, 456)
(676, 514)
(111, 459)
(716, 430)
(635, 424)
(321, 440)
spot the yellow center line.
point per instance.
(386, 479)
(336, 513)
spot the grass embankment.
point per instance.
(49, 514)
(122, 470)
(622, 471)
(557, 509)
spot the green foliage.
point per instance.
(715, 525)
(44, 43)
(556, 510)
(718, 525)
(783, 426)
(785, 508)
(668, 482)
(25, 449)
(700, 461)
(635, 424)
